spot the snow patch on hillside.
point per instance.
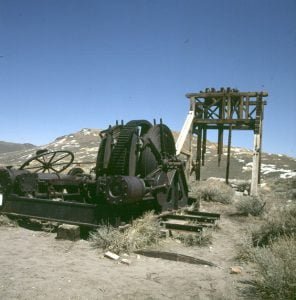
(271, 168)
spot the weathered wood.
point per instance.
(186, 227)
(260, 146)
(221, 94)
(198, 154)
(175, 257)
(225, 127)
(226, 109)
(220, 144)
(241, 108)
(202, 213)
(228, 154)
(184, 132)
(225, 121)
(255, 167)
(247, 104)
(190, 146)
(197, 218)
(204, 145)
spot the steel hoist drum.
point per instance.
(159, 144)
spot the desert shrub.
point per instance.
(5, 221)
(241, 185)
(275, 265)
(246, 248)
(250, 205)
(292, 194)
(213, 190)
(203, 238)
(277, 223)
(143, 232)
(285, 187)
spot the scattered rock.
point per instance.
(111, 255)
(125, 261)
(164, 233)
(236, 270)
(68, 232)
(245, 193)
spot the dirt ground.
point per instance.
(35, 265)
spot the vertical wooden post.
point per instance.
(241, 108)
(260, 115)
(228, 153)
(204, 145)
(260, 151)
(220, 129)
(198, 153)
(220, 144)
(255, 168)
(247, 106)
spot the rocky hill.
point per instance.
(11, 147)
(84, 144)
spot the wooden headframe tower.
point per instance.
(224, 110)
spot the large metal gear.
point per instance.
(118, 152)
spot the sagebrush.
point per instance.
(275, 266)
(279, 222)
(212, 190)
(203, 238)
(143, 232)
(250, 205)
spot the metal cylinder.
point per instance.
(125, 189)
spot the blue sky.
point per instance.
(67, 65)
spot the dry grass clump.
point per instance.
(250, 205)
(275, 259)
(276, 265)
(203, 238)
(5, 221)
(241, 185)
(277, 223)
(143, 232)
(213, 190)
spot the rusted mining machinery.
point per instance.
(136, 170)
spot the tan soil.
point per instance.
(34, 265)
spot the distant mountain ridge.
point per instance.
(85, 143)
(11, 147)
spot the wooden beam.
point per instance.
(241, 108)
(234, 127)
(228, 154)
(220, 144)
(204, 145)
(190, 145)
(224, 121)
(198, 154)
(221, 94)
(255, 168)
